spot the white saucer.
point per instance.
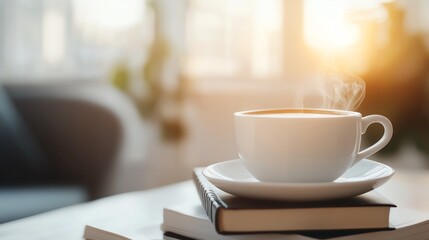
(233, 177)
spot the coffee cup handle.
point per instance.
(384, 140)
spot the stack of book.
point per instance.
(224, 216)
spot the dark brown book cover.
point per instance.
(215, 201)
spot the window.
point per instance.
(234, 39)
(224, 39)
(71, 38)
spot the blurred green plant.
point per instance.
(121, 77)
(153, 98)
(152, 77)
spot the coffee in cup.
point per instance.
(304, 145)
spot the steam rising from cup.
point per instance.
(333, 90)
(343, 91)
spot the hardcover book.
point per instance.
(190, 221)
(231, 214)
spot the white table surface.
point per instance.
(140, 213)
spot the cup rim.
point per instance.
(256, 112)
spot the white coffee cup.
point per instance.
(304, 145)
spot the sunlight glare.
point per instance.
(326, 27)
(109, 14)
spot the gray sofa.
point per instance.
(59, 143)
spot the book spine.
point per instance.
(209, 199)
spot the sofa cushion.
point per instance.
(20, 158)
